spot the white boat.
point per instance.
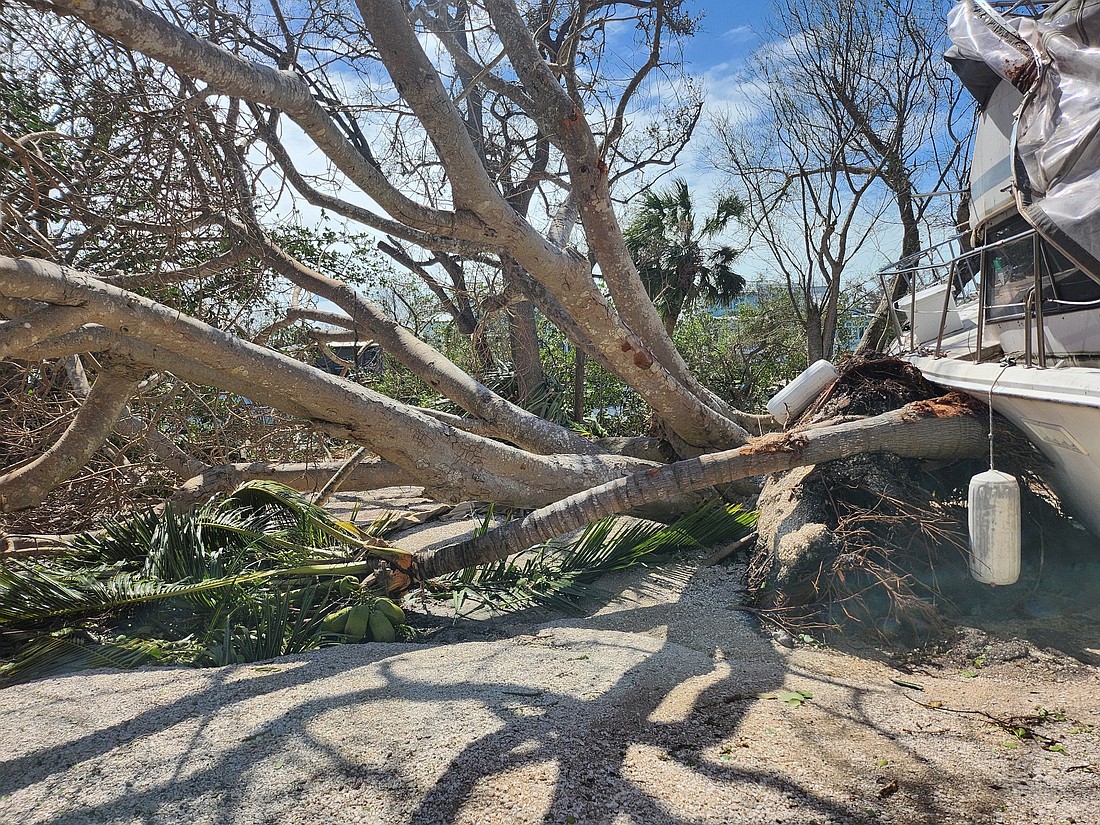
(1009, 311)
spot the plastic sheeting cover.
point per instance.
(1058, 128)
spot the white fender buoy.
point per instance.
(797, 395)
(994, 521)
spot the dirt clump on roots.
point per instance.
(861, 547)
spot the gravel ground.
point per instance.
(665, 705)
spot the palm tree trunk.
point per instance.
(944, 428)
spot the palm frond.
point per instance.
(311, 518)
(31, 594)
(68, 651)
(558, 576)
(315, 523)
(257, 572)
(119, 541)
(177, 550)
(277, 623)
(728, 208)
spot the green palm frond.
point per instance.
(558, 576)
(256, 573)
(30, 594)
(120, 541)
(728, 208)
(315, 523)
(275, 624)
(178, 551)
(67, 651)
(674, 263)
(312, 521)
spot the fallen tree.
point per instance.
(55, 312)
(175, 135)
(944, 428)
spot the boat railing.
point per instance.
(1020, 8)
(934, 281)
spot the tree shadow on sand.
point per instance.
(637, 715)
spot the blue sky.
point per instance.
(729, 32)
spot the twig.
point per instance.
(340, 476)
(1018, 726)
(729, 550)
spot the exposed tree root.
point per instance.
(856, 544)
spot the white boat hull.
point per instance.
(1057, 409)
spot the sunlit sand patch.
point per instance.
(495, 797)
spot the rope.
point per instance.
(990, 405)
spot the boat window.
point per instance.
(1010, 266)
(1011, 269)
(1072, 287)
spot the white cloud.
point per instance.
(739, 34)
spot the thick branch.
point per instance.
(28, 485)
(564, 120)
(371, 474)
(516, 424)
(40, 324)
(417, 81)
(455, 464)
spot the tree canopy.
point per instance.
(677, 267)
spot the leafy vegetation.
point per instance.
(247, 578)
(679, 269)
(265, 573)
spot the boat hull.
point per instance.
(1057, 409)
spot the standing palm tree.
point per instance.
(677, 269)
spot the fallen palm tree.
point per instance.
(942, 428)
(265, 573)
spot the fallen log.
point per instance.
(949, 427)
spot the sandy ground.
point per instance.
(665, 705)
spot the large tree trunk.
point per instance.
(523, 342)
(944, 428)
(815, 340)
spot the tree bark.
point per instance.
(454, 464)
(580, 360)
(369, 474)
(523, 339)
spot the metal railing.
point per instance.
(1020, 8)
(962, 270)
